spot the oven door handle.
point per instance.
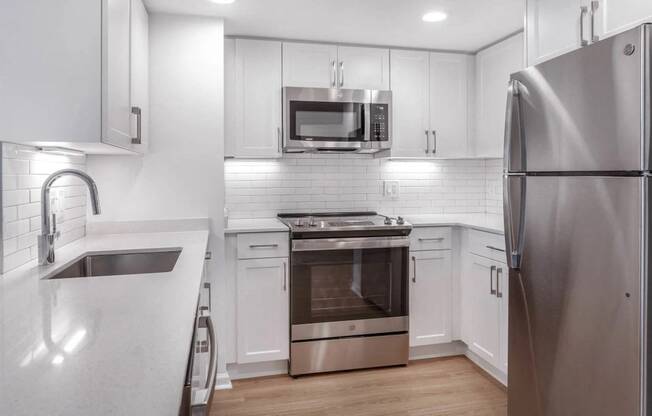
(349, 243)
(206, 394)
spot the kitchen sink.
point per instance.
(119, 263)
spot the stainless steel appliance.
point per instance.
(577, 212)
(348, 291)
(341, 120)
(199, 384)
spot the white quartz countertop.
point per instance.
(255, 225)
(104, 345)
(484, 222)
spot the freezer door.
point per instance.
(574, 304)
(583, 111)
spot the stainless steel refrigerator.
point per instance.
(577, 208)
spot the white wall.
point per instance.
(24, 169)
(182, 176)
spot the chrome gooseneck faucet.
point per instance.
(49, 231)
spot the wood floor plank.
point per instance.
(437, 387)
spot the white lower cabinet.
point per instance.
(430, 297)
(263, 325)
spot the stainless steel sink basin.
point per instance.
(119, 263)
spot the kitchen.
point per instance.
(244, 207)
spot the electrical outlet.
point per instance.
(392, 189)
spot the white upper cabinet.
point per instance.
(494, 66)
(553, 28)
(430, 297)
(74, 74)
(309, 65)
(410, 103)
(363, 68)
(615, 16)
(257, 114)
(313, 65)
(449, 75)
(140, 75)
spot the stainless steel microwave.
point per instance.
(336, 120)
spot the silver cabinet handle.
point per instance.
(427, 141)
(583, 11)
(492, 291)
(207, 286)
(495, 248)
(432, 239)
(434, 142)
(499, 272)
(263, 245)
(278, 139)
(202, 407)
(333, 74)
(594, 8)
(414, 275)
(139, 125)
(285, 277)
(342, 74)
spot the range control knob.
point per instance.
(400, 221)
(388, 221)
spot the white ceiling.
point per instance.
(471, 24)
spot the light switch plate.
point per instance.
(392, 189)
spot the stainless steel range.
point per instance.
(348, 291)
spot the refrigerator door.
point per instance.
(582, 111)
(575, 302)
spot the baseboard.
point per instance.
(252, 370)
(223, 381)
(438, 350)
(486, 367)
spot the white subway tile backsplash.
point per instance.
(24, 170)
(263, 188)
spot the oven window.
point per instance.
(326, 121)
(342, 285)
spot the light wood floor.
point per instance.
(445, 386)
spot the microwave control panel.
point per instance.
(379, 122)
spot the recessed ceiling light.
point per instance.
(222, 1)
(434, 17)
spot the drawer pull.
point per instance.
(495, 248)
(432, 239)
(263, 245)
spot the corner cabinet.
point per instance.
(313, 65)
(78, 77)
(430, 104)
(554, 27)
(430, 286)
(254, 124)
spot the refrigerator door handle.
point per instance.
(512, 124)
(514, 226)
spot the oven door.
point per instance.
(323, 118)
(349, 287)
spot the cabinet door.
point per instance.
(502, 293)
(448, 104)
(309, 65)
(553, 28)
(615, 16)
(140, 72)
(263, 315)
(258, 98)
(230, 124)
(410, 103)
(493, 69)
(116, 73)
(430, 297)
(363, 68)
(50, 73)
(485, 310)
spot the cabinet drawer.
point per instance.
(430, 238)
(263, 245)
(487, 245)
